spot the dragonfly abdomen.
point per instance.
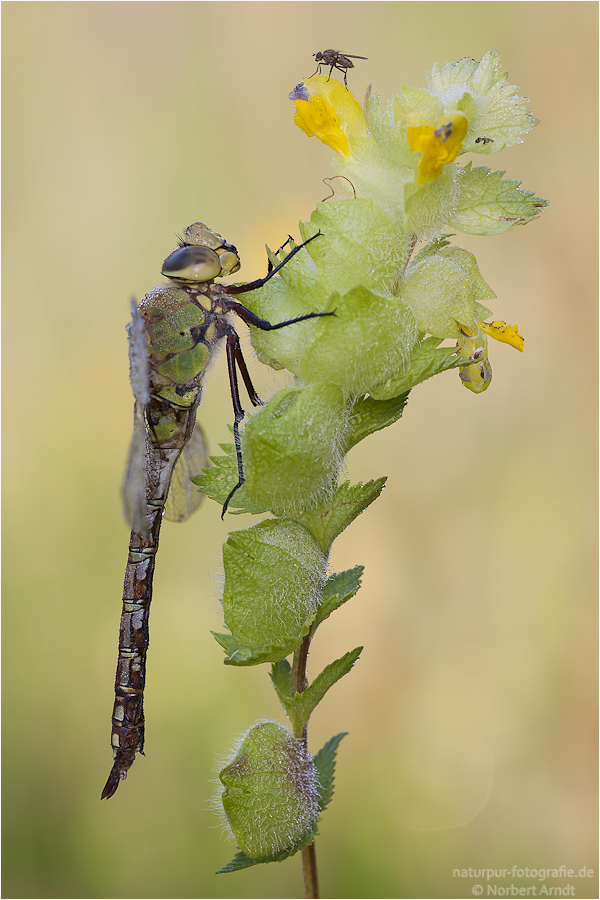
(127, 736)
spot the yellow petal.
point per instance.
(439, 146)
(419, 137)
(317, 118)
(327, 110)
(508, 334)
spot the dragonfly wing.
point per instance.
(139, 364)
(184, 498)
(135, 480)
(134, 489)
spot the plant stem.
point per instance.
(309, 854)
(299, 668)
(309, 872)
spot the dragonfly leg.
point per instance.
(270, 264)
(253, 285)
(241, 363)
(251, 319)
(234, 355)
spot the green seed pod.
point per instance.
(293, 448)
(274, 572)
(271, 792)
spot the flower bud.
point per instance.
(271, 792)
(293, 447)
(274, 572)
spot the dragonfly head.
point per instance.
(201, 256)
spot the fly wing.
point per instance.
(135, 480)
(184, 498)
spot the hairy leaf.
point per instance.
(332, 516)
(281, 676)
(219, 480)
(325, 763)
(302, 705)
(337, 590)
(490, 205)
(369, 416)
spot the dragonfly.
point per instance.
(172, 336)
(336, 60)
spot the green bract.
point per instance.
(293, 447)
(274, 573)
(370, 338)
(444, 289)
(271, 796)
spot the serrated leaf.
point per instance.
(416, 106)
(427, 360)
(384, 130)
(325, 764)
(281, 676)
(481, 91)
(219, 480)
(433, 247)
(337, 590)
(302, 705)
(490, 205)
(335, 513)
(240, 653)
(241, 861)
(369, 416)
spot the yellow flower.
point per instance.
(472, 344)
(508, 334)
(327, 110)
(440, 145)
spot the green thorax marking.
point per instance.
(183, 325)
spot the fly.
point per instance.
(335, 60)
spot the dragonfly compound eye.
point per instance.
(192, 264)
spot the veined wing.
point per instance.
(135, 480)
(184, 498)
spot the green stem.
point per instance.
(299, 682)
(309, 872)
(309, 854)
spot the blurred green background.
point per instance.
(472, 711)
